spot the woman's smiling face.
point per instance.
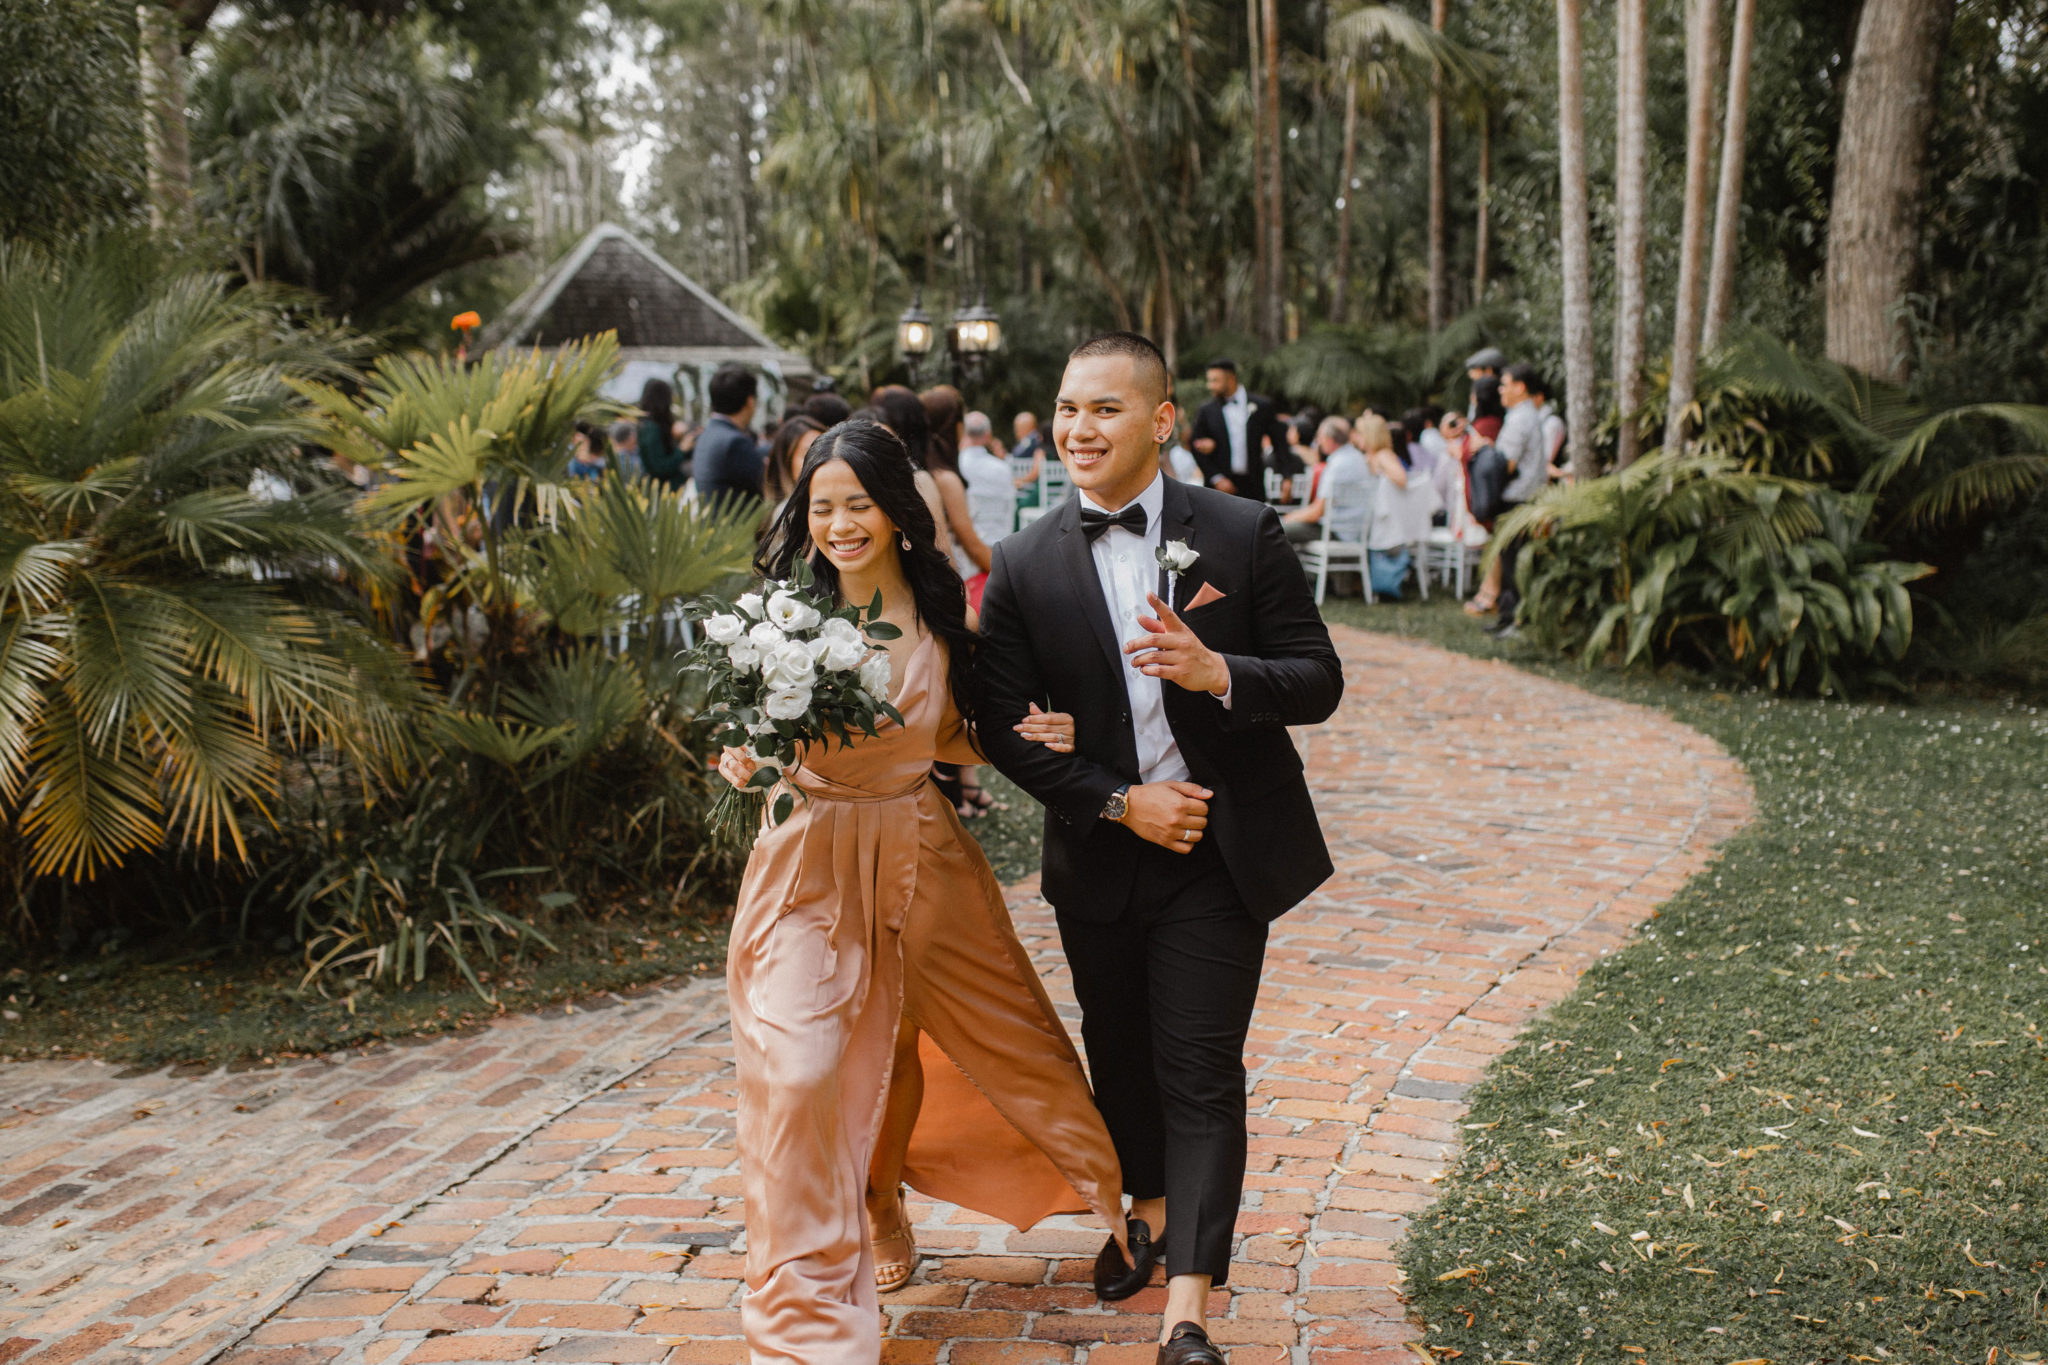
(846, 524)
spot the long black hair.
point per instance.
(878, 459)
(658, 401)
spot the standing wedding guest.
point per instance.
(1237, 434)
(586, 453)
(785, 459)
(625, 434)
(943, 411)
(827, 408)
(656, 444)
(900, 410)
(1180, 826)
(870, 939)
(728, 462)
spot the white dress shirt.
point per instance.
(1237, 412)
(1126, 567)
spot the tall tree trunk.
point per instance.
(1483, 228)
(1581, 383)
(1632, 224)
(1702, 60)
(1880, 178)
(1728, 203)
(1439, 262)
(1276, 158)
(1262, 235)
(167, 146)
(1338, 294)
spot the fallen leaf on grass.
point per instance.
(1463, 1272)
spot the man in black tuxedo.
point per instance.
(1181, 824)
(1238, 436)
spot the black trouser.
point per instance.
(1166, 994)
(1510, 599)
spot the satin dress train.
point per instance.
(868, 905)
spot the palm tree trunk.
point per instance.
(1582, 402)
(1439, 263)
(1632, 225)
(1344, 192)
(1702, 37)
(1276, 286)
(1728, 203)
(1483, 229)
(1261, 238)
(1880, 179)
(167, 145)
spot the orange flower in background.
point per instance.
(467, 322)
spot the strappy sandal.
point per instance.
(975, 801)
(1479, 606)
(891, 1275)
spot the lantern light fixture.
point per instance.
(914, 330)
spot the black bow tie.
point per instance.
(1094, 523)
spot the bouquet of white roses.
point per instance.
(787, 669)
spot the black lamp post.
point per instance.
(915, 333)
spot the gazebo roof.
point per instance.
(613, 281)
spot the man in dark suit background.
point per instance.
(1181, 824)
(1237, 435)
(728, 462)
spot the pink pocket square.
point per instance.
(1203, 598)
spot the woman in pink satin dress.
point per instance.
(885, 1018)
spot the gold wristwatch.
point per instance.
(1119, 802)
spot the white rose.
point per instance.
(789, 666)
(791, 612)
(743, 655)
(750, 603)
(1176, 556)
(724, 628)
(839, 628)
(767, 638)
(874, 676)
(787, 703)
(840, 656)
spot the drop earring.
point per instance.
(906, 539)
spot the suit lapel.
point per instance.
(1081, 576)
(1177, 522)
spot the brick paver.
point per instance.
(1493, 834)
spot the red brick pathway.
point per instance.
(1493, 834)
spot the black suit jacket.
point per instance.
(1047, 638)
(1265, 442)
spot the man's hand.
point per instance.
(1169, 650)
(1204, 444)
(1169, 814)
(1223, 483)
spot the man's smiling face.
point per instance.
(1108, 425)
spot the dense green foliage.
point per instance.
(70, 132)
(1796, 1117)
(169, 628)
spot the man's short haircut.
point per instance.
(977, 424)
(1334, 428)
(1144, 356)
(730, 389)
(1221, 362)
(625, 431)
(1523, 373)
(828, 408)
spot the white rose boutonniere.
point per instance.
(1176, 557)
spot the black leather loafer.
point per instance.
(1116, 1278)
(1189, 1345)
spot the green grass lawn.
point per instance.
(1803, 1115)
(236, 1004)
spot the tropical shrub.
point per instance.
(173, 617)
(1690, 558)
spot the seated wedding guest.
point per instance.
(785, 458)
(991, 497)
(728, 462)
(1339, 462)
(1388, 538)
(1176, 460)
(625, 434)
(586, 453)
(1425, 444)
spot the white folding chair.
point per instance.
(1450, 557)
(1053, 484)
(1347, 510)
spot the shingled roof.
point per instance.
(613, 281)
